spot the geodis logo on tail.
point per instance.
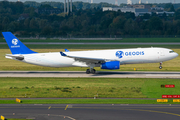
(15, 43)
(120, 54)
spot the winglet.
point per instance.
(66, 50)
(63, 54)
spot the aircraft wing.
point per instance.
(85, 59)
(18, 57)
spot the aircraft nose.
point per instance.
(176, 55)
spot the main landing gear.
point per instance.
(93, 71)
(160, 67)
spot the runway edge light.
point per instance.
(162, 100)
(18, 100)
(176, 100)
(2, 117)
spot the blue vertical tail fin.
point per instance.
(15, 45)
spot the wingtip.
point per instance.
(66, 50)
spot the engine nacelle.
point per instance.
(112, 65)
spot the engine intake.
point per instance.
(112, 65)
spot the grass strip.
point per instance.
(87, 87)
(70, 87)
(88, 101)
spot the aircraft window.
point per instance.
(171, 51)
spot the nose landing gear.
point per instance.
(160, 67)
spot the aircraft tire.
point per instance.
(87, 71)
(93, 71)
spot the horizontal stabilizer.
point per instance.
(63, 54)
(18, 57)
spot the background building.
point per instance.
(136, 11)
(139, 9)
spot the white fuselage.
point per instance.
(125, 56)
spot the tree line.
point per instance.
(22, 19)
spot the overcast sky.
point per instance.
(111, 1)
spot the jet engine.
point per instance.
(111, 65)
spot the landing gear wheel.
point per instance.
(160, 67)
(93, 71)
(87, 71)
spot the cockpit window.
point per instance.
(171, 51)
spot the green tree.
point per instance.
(155, 23)
(26, 23)
(146, 16)
(46, 30)
(42, 23)
(172, 8)
(13, 26)
(167, 6)
(5, 23)
(33, 24)
(19, 7)
(129, 15)
(118, 22)
(79, 5)
(55, 25)
(167, 28)
(131, 27)
(86, 6)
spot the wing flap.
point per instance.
(80, 64)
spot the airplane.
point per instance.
(110, 59)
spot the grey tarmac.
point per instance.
(91, 111)
(98, 74)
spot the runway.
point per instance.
(105, 74)
(91, 111)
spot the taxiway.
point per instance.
(91, 111)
